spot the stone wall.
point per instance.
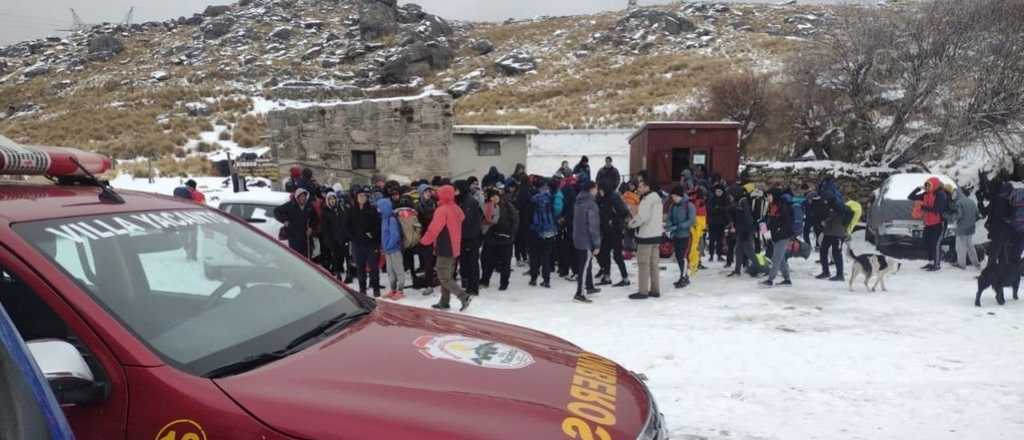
(856, 182)
(411, 137)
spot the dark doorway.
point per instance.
(680, 162)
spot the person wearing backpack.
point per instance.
(544, 233)
(934, 203)
(780, 224)
(444, 236)
(833, 235)
(743, 223)
(391, 247)
(681, 217)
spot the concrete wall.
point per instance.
(549, 148)
(411, 137)
(463, 160)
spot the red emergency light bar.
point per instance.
(50, 161)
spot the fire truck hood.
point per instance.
(403, 372)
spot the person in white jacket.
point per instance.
(650, 226)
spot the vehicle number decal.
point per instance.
(182, 429)
(473, 351)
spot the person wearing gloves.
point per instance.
(445, 236)
(650, 231)
(681, 217)
(586, 238)
(501, 222)
(364, 228)
(391, 246)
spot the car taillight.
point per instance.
(51, 161)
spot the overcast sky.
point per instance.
(27, 19)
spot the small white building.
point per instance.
(550, 147)
(476, 148)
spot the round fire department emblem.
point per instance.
(473, 351)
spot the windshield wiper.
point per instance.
(257, 360)
(246, 364)
(323, 328)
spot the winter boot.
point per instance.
(838, 277)
(623, 283)
(767, 284)
(823, 276)
(605, 280)
(546, 284)
(582, 299)
(440, 306)
(592, 291)
(533, 282)
(786, 283)
(638, 295)
(654, 295)
(465, 300)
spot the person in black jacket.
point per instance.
(582, 170)
(425, 207)
(614, 214)
(780, 224)
(298, 218)
(566, 252)
(364, 228)
(744, 226)
(501, 223)
(492, 178)
(608, 176)
(472, 236)
(524, 194)
(334, 232)
(718, 219)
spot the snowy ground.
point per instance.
(729, 360)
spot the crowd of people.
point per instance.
(460, 235)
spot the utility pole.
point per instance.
(128, 17)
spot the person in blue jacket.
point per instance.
(681, 217)
(391, 246)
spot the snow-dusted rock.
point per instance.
(418, 59)
(283, 33)
(216, 10)
(104, 47)
(197, 109)
(482, 47)
(160, 75)
(220, 27)
(517, 62)
(653, 19)
(35, 70)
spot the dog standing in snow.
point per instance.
(999, 276)
(869, 265)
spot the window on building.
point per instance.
(364, 160)
(488, 148)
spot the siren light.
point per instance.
(50, 161)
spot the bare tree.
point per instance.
(742, 97)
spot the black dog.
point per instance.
(999, 276)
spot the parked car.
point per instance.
(888, 216)
(242, 339)
(28, 409)
(255, 207)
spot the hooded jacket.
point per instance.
(681, 218)
(445, 230)
(718, 208)
(586, 228)
(743, 217)
(472, 224)
(614, 213)
(390, 230)
(648, 220)
(492, 178)
(425, 207)
(298, 217)
(334, 227)
(503, 232)
(967, 216)
(780, 217)
(934, 201)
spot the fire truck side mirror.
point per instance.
(67, 372)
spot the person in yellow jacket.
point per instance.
(697, 231)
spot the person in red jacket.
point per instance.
(197, 196)
(933, 203)
(445, 235)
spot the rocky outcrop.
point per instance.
(216, 10)
(104, 47)
(220, 27)
(377, 18)
(415, 60)
(516, 62)
(482, 47)
(654, 20)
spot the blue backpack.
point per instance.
(798, 215)
(543, 223)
